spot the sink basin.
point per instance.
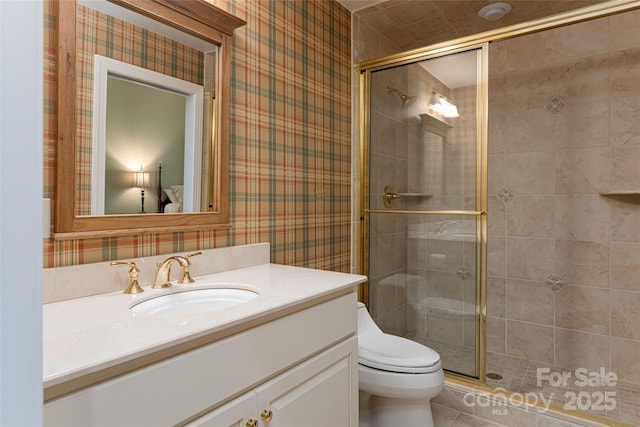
(194, 301)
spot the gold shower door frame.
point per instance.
(480, 213)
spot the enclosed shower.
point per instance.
(501, 209)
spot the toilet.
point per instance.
(397, 377)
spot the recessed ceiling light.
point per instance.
(494, 11)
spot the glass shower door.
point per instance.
(426, 203)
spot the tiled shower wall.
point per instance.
(564, 249)
(290, 142)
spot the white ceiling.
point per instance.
(457, 70)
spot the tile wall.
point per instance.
(564, 253)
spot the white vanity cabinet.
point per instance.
(302, 367)
(318, 392)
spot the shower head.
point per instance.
(403, 97)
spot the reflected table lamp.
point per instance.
(141, 181)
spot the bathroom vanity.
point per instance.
(286, 357)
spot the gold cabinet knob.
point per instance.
(251, 423)
(266, 416)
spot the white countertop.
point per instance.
(89, 334)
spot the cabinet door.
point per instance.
(321, 392)
(237, 413)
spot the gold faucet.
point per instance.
(163, 275)
(134, 286)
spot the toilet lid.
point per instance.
(395, 354)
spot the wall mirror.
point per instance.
(143, 116)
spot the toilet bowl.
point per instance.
(397, 377)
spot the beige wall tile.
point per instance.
(625, 172)
(532, 172)
(625, 314)
(530, 302)
(496, 334)
(625, 266)
(625, 218)
(531, 342)
(496, 217)
(624, 359)
(583, 263)
(401, 320)
(583, 85)
(444, 289)
(445, 325)
(416, 320)
(496, 294)
(530, 129)
(530, 259)
(469, 333)
(582, 170)
(581, 350)
(383, 299)
(574, 41)
(531, 216)
(499, 62)
(417, 288)
(387, 322)
(625, 30)
(448, 254)
(625, 93)
(497, 256)
(528, 51)
(582, 217)
(497, 118)
(583, 308)
(497, 179)
(416, 253)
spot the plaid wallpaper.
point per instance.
(290, 141)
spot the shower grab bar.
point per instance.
(444, 212)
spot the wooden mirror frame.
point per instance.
(195, 17)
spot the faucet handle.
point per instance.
(186, 274)
(134, 286)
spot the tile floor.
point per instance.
(521, 376)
